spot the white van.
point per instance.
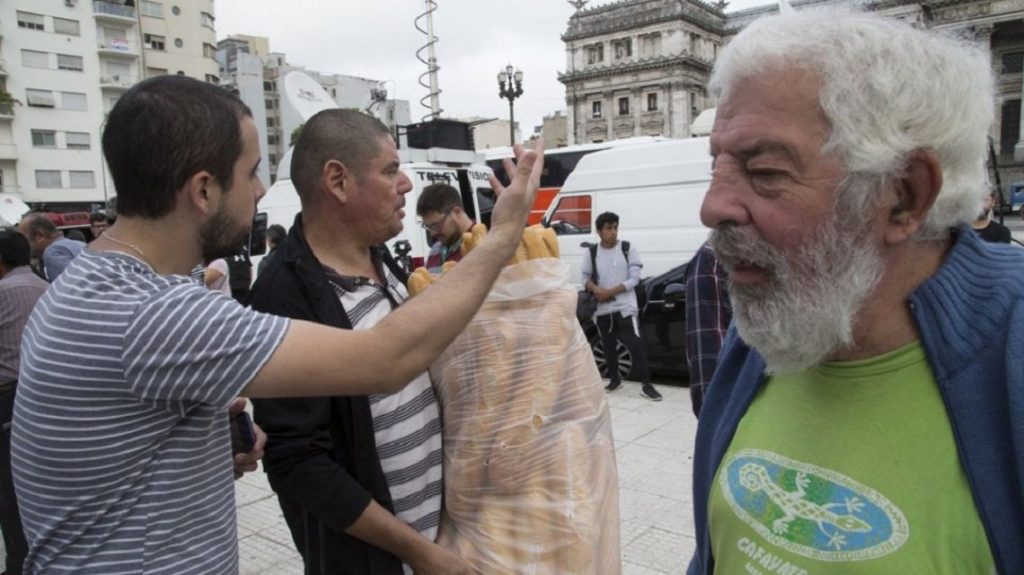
(11, 209)
(656, 189)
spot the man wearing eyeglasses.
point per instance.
(441, 214)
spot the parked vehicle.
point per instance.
(558, 164)
(662, 328)
(656, 189)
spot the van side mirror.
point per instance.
(675, 293)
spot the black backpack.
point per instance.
(641, 293)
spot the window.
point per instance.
(34, 59)
(81, 179)
(269, 104)
(30, 20)
(150, 72)
(268, 87)
(209, 51)
(595, 53)
(66, 62)
(652, 102)
(1013, 62)
(596, 110)
(65, 26)
(1009, 131)
(40, 98)
(44, 139)
(212, 79)
(270, 122)
(73, 101)
(572, 215)
(47, 178)
(118, 72)
(623, 106)
(623, 48)
(272, 140)
(154, 42)
(77, 140)
(650, 45)
(206, 20)
(272, 158)
(150, 8)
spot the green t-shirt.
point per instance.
(847, 468)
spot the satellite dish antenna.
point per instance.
(306, 96)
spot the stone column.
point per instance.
(636, 95)
(608, 112)
(665, 105)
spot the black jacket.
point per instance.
(321, 457)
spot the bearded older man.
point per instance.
(867, 413)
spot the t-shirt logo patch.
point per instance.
(809, 510)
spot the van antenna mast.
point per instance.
(434, 92)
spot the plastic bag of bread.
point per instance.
(530, 478)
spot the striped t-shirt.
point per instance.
(407, 424)
(121, 447)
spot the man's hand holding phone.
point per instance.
(247, 439)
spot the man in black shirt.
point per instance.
(989, 229)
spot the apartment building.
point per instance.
(249, 69)
(63, 65)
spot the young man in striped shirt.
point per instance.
(358, 477)
(121, 447)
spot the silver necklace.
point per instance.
(129, 245)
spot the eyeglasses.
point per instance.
(436, 226)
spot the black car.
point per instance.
(662, 304)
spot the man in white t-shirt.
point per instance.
(121, 449)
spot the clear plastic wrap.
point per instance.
(531, 484)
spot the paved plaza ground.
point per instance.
(654, 448)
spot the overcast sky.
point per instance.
(476, 39)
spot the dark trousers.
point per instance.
(10, 520)
(618, 327)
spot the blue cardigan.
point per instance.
(970, 316)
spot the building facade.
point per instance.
(491, 132)
(997, 25)
(251, 70)
(638, 67)
(63, 65)
(554, 129)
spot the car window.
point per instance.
(572, 215)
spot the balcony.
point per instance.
(8, 152)
(117, 82)
(118, 47)
(113, 12)
(6, 111)
(3, 68)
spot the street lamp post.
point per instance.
(510, 81)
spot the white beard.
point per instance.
(805, 312)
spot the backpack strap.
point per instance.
(593, 263)
(625, 249)
(389, 262)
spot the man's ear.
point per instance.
(337, 180)
(915, 194)
(198, 191)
